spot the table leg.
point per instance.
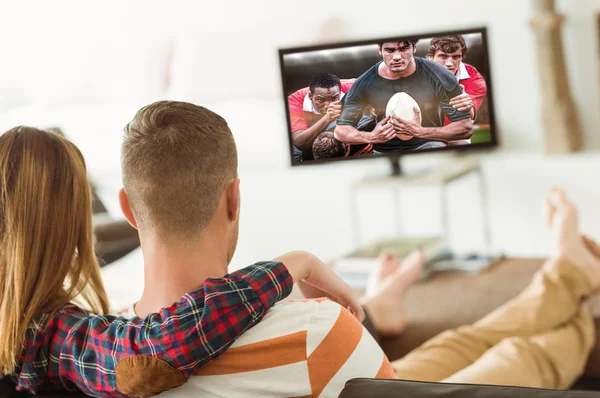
(487, 233)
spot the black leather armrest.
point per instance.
(382, 388)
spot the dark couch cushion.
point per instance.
(593, 365)
(114, 238)
(382, 388)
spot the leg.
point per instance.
(387, 284)
(551, 360)
(553, 298)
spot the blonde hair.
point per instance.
(176, 160)
(47, 257)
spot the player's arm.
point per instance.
(474, 92)
(464, 102)
(350, 135)
(346, 131)
(460, 126)
(459, 130)
(477, 90)
(304, 139)
(469, 101)
(383, 132)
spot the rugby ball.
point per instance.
(402, 105)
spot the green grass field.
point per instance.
(481, 135)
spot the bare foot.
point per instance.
(386, 265)
(385, 304)
(563, 220)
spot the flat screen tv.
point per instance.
(388, 96)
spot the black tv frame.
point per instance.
(395, 156)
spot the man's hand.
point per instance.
(407, 129)
(462, 102)
(383, 131)
(315, 280)
(334, 110)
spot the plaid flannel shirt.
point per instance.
(72, 348)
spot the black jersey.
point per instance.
(431, 85)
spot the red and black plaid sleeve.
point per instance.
(75, 349)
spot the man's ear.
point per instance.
(310, 95)
(233, 199)
(126, 208)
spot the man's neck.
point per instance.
(172, 269)
(386, 73)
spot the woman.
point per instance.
(47, 262)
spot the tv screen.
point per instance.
(388, 96)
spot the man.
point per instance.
(182, 193)
(64, 346)
(428, 83)
(450, 51)
(327, 147)
(315, 109)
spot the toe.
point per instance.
(416, 257)
(388, 263)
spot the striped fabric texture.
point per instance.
(300, 349)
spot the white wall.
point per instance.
(64, 52)
(49, 48)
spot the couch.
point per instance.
(114, 238)
(367, 388)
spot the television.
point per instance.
(388, 97)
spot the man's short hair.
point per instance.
(326, 80)
(448, 45)
(176, 160)
(413, 42)
(326, 146)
